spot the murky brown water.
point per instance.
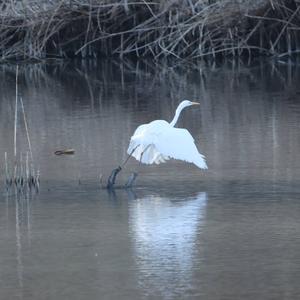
(231, 232)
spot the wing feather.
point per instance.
(157, 142)
(178, 143)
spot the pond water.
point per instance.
(231, 232)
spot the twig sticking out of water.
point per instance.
(26, 128)
(27, 166)
(8, 179)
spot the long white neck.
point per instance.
(177, 113)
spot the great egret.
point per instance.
(158, 141)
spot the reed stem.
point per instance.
(26, 129)
(15, 124)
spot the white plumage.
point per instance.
(159, 141)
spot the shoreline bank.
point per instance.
(180, 29)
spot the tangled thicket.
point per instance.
(37, 29)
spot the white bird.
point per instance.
(159, 141)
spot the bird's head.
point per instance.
(181, 106)
(186, 103)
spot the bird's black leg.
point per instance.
(112, 178)
(134, 175)
(143, 153)
(126, 160)
(131, 180)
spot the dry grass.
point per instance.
(22, 175)
(180, 28)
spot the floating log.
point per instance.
(65, 151)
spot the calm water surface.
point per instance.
(232, 232)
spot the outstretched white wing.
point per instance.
(157, 142)
(179, 144)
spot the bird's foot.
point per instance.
(112, 178)
(131, 180)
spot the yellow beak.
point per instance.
(195, 103)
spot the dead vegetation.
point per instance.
(20, 171)
(34, 29)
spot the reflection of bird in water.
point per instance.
(166, 233)
(159, 141)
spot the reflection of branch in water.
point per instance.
(22, 212)
(88, 82)
(6, 202)
(19, 243)
(28, 209)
